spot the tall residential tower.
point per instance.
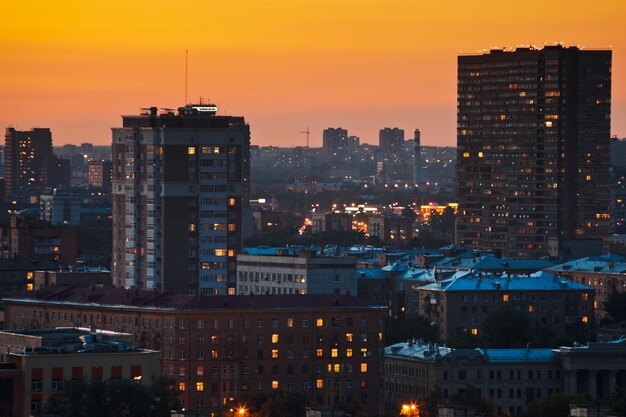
(533, 148)
(180, 199)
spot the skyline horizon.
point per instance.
(284, 66)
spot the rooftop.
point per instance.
(608, 264)
(117, 297)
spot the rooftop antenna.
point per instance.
(307, 136)
(186, 73)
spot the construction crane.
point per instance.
(307, 136)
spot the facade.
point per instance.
(304, 273)
(463, 301)
(84, 278)
(330, 222)
(30, 239)
(218, 348)
(605, 274)
(180, 199)
(335, 141)
(60, 208)
(396, 230)
(509, 378)
(43, 359)
(417, 157)
(26, 156)
(533, 148)
(99, 175)
(391, 142)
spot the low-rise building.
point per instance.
(64, 278)
(41, 360)
(463, 301)
(509, 378)
(303, 272)
(220, 348)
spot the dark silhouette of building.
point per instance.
(26, 158)
(180, 199)
(533, 148)
(335, 141)
(391, 142)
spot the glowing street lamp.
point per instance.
(411, 410)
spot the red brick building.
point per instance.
(220, 348)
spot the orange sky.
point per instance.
(284, 65)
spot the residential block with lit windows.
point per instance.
(221, 348)
(180, 199)
(533, 148)
(461, 302)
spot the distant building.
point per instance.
(65, 278)
(461, 303)
(29, 239)
(219, 349)
(60, 208)
(26, 158)
(99, 175)
(417, 157)
(303, 273)
(391, 142)
(58, 172)
(335, 142)
(41, 360)
(533, 148)
(180, 199)
(396, 230)
(331, 222)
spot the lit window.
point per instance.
(548, 124)
(363, 367)
(474, 331)
(274, 384)
(191, 150)
(319, 322)
(214, 354)
(274, 353)
(319, 383)
(219, 252)
(289, 322)
(199, 386)
(364, 352)
(192, 227)
(29, 287)
(334, 352)
(319, 353)
(505, 297)
(275, 338)
(588, 177)
(466, 155)
(585, 319)
(181, 386)
(480, 154)
(585, 296)
(200, 370)
(531, 308)
(337, 368)
(232, 201)
(349, 337)
(349, 352)
(231, 227)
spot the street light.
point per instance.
(410, 410)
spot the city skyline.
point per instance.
(285, 66)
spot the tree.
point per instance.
(114, 398)
(615, 307)
(506, 328)
(556, 405)
(402, 329)
(277, 404)
(470, 398)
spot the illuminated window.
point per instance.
(199, 386)
(505, 297)
(191, 150)
(474, 331)
(349, 352)
(334, 352)
(585, 319)
(548, 124)
(275, 338)
(319, 322)
(231, 227)
(29, 287)
(181, 386)
(214, 354)
(29, 275)
(319, 352)
(319, 383)
(192, 227)
(531, 308)
(200, 370)
(231, 252)
(337, 368)
(232, 201)
(274, 353)
(231, 291)
(364, 352)
(480, 154)
(466, 155)
(363, 367)
(588, 177)
(585, 296)
(349, 337)
(219, 252)
(289, 322)
(274, 384)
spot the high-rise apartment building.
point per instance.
(99, 175)
(533, 148)
(391, 142)
(26, 158)
(334, 141)
(180, 199)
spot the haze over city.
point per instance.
(285, 65)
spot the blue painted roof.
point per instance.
(490, 262)
(518, 355)
(370, 273)
(606, 264)
(476, 281)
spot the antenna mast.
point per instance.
(307, 136)
(186, 72)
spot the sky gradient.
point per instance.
(284, 65)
